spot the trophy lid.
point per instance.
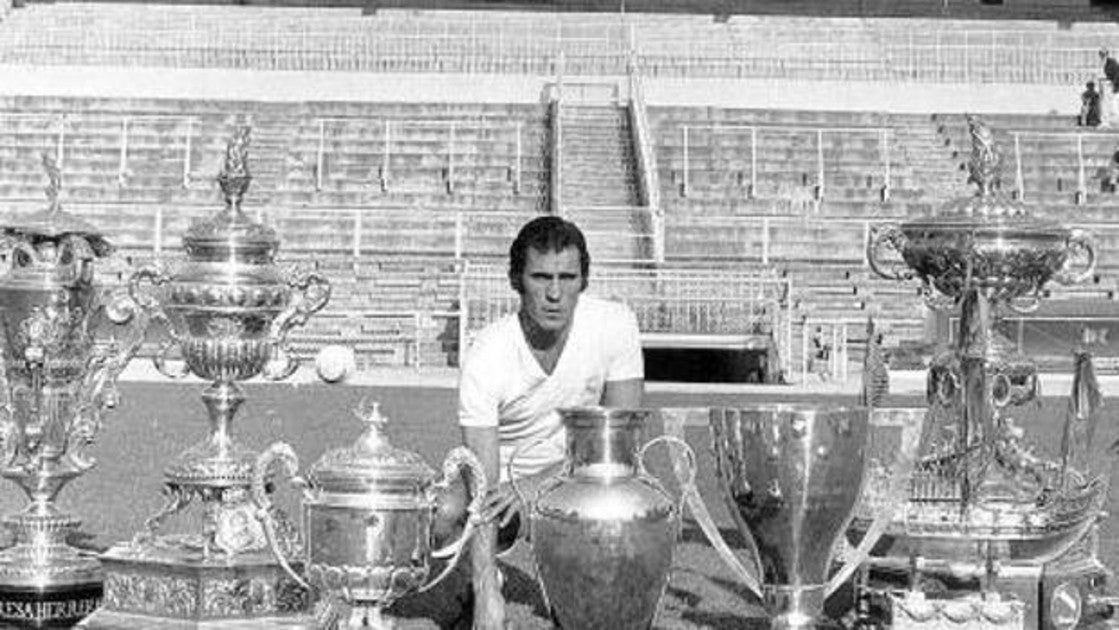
(230, 235)
(989, 210)
(53, 223)
(371, 463)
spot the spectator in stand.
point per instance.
(1110, 69)
(1089, 107)
(1110, 175)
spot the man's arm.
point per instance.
(625, 394)
(484, 442)
(489, 605)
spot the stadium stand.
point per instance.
(408, 206)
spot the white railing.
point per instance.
(709, 135)
(555, 154)
(59, 132)
(646, 165)
(683, 302)
(394, 134)
(879, 50)
(1071, 145)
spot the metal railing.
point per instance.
(723, 303)
(185, 137)
(1084, 168)
(514, 43)
(824, 160)
(646, 162)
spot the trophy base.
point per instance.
(166, 584)
(47, 607)
(115, 620)
(48, 586)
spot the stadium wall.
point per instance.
(279, 86)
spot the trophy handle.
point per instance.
(1078, 240)
(99, 387)
(509, 469)
(9, 435)
(689, 479)
(896, 481)
(458, 459)
(674, 427)
(286, 455)
(314, 292)
(156, 276)
(160, 358)
(148, 303)
(886, 235)
(1025, 305)
(80, 253)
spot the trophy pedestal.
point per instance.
(45, 582)
(165, 583)
(52, 606)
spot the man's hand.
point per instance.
(501, 505)
(503, 502)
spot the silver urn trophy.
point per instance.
(368, 515)
(993, 530)
(604, 530)
(58, 377)
(227, 309)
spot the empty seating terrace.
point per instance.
(397, 203)
(123, 156)
(799, 191)
(343, 183)
(329, 39)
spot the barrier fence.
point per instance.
(880, 50)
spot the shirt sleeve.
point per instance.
(627, 362)
(478, 389)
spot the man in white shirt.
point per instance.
(560, 349)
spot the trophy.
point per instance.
(369, 511)
(228, 309)
(794, 476)
(57, 379)
(603, 529)
(992, 531)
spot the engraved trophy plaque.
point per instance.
(227, 309)
(57, 379)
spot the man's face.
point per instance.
(552, 282)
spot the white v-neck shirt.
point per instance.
(502, 385)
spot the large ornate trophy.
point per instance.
(369, 513)
(56, 381)
(992, 533)
(603, 530)
(228, 309)
(793, 476)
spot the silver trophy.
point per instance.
(603, 529)
(794, 476)
(368, 510)
(992, 529)
(227, 309)
(57, 379)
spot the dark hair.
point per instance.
(546, 234)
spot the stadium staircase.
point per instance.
(599, 187)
